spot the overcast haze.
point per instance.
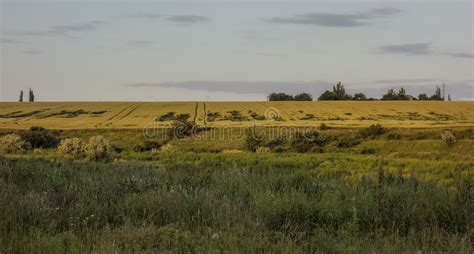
(232, 50)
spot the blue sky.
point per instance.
(232, 50)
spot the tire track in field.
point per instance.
(196, 107)
(114, 116)
(131, 111)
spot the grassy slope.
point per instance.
(411, 114)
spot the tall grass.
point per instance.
(225, 203)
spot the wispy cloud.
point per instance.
(142, 44)
(9, 41)
(462, 89)
(238, 87)
(328, 19)
(407, 49)
(419, 49)
(67, 29)
(460, 55)
(33, 52)
(188, 19)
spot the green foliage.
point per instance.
(448, 138)
(288, 97)
(147, 145)
(324, 127)
(256, 116)
(167, 117)
(373, 131)
(213, 116)
(303, 97)
(423, 97)
(280, 97)
(309, 141)
(12, 143)
(338, 93)
(99, 149)
(253, 139)
(348, 141)
(359, 97)
(237, 203)
(391, 95)
(235, 115)
(71, 146)
(39, 137)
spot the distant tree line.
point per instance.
(339, 93)
(288, 97)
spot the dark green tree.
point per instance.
(338, 94)
(31, 96)
(423, 97)
(280, 97)
(437, 95)
(303, 97)
(359, 97)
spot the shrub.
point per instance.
(309, 141)
(13, 143)
(394, 136)
(276, 145)
(180, 129)
(256, 116)
(168, 148)
(373, 131)
(148, 145)
(348, 141)
(324, 127)
(253, 140)
(235, 115)
(73, 146)
(166, 117)
(39, 137)
(448, 138)
(98, 148)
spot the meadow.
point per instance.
(377, 178)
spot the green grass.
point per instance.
(210, 195)
(190, 202)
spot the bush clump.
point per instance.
(348, 141)
(168, 148)
(373, 131)
(148, 145)
(39, 137)
(72, 146)
(253, 139)
(99, 149)
(448, 138)
(324, 127)
(11, 143)
(309, 141)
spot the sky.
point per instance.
(239, 50)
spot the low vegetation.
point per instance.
(234, 203)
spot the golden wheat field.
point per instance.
(87, 115)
